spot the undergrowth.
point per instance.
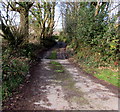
(15, 66)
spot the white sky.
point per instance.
(58, 18)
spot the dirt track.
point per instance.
(68, 90)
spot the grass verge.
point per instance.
(108, 75)
(104, 73)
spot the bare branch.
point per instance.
(13, 6)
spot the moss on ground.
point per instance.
(53, 55)
(72, 94)
(57, 67)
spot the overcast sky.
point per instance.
(58, 18)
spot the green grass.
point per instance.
(55, 63)
(109, 76)
(57, 67)
(59, 71)
(53, 55)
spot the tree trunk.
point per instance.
(24, 22)
(51, 24)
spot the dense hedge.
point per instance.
(93, 38)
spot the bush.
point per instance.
(14, 71)
(15, 66)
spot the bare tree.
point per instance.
(15, 35)
(23, 9)
(44, 18)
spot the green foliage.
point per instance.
(29, 50)
(17, 51)
(14, 71)
(16, 65)
(63, 37)
(93, 38)
(53, 55)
